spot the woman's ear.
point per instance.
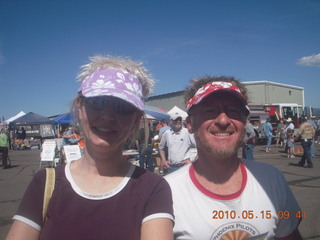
(189, 124)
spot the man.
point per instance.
(267, 128)
(290, 125)
(4, 146)
(314, 125)
(249, 141)
(178, 141)
(306, 132)
(145, 149)
(67, 136)
(219, 195)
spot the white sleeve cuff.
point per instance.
(158, 215)
(27, 221)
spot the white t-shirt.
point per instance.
(253, 211)
(178, 143)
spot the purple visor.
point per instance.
(116, 83)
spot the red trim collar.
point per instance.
(218, 196)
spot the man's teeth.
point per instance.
(222, 134)
(104, 130)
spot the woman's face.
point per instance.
(107, 122)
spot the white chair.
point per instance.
(72, 152)
(48, 152)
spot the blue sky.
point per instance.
(43, 44)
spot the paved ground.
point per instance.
(304, 182)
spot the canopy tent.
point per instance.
(30, 119)
(156, 113)
(20, 114)
(176, 110)
(153, 113)
(63, 119)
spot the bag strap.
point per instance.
(48, 190)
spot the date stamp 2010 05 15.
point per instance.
(250, 214)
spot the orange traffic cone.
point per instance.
(298, 151)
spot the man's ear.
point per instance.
(189, 124)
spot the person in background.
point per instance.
(178, 141)
(306, 133)
(214, 196)
(164, 128)
(289, 124)
(249, 141)
(101, 195)
(145, 149)
(267, 128)
(314, 125)
(290, 142)
(4, 148)
(21, 136)
(279, 134)
(283, 134)
(67, 135)
(78, 139)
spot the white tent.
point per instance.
(176, 110)
(20, 114)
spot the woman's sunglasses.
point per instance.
(99, 103)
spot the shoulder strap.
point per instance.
(48, 190)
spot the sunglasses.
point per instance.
(99, 103)
(231, 111)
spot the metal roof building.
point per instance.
(259, 92)
(265, 92)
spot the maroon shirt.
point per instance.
(115, 215)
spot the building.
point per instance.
(265, 92)
(259, 92)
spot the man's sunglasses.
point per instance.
(99, 103)
(231, 111)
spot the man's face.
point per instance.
(218, 124)
(176, 124)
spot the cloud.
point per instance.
(310, 61)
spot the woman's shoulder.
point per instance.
(41, 174)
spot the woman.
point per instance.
(101, 195)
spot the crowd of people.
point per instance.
(286, 137)
(104, 196)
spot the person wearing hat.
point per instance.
(220, 196)
(267, 128)
(306, 132)
(290, 125)
(178, 142)
(102, 195)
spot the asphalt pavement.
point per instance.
(304, 183)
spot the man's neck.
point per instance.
(220, 176)
(176, 130)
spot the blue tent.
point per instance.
(156, 113)
(63, 119)
(31, 119)
(152, 112)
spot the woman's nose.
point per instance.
(108, 112)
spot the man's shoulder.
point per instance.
(261, 170)
(177, 176)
